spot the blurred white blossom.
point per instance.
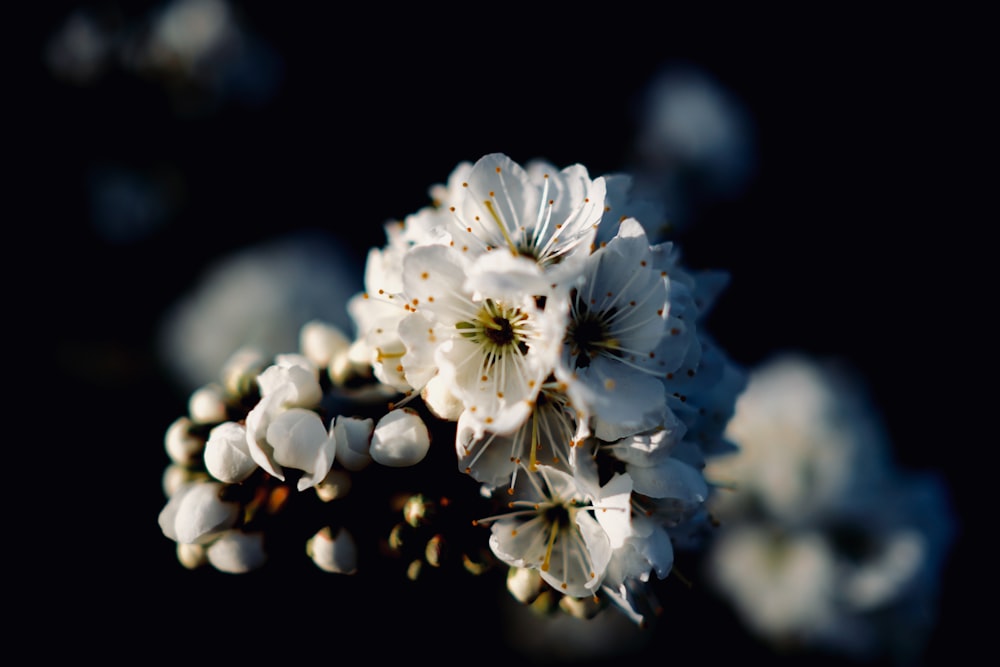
(823, 542)
(259, 298)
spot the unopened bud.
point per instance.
(582, 608)
(524, 584)
(400, 439)
(237, 552)
(330, 553)
(207, 404)
(416, 510)
(335, 485)
(396, 536)
(192, 556)
(182, 445)
(434, 551)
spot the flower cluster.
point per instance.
(526, 325)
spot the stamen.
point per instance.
(501, 226)
(553, 531)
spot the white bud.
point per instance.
(191, 556)
(176, 475)
(237, 552)
(197, 514)
(207, 404)
(335, 485)
(239, 373)
(183, 447)
(292, 380)
(354, 439)
(400, 439)
(300, 440)
(227, 453)
(333, 554)
(440, 400)
(321, 342)
(524, 584)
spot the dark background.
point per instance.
(839, 247)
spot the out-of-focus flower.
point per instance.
(201, 51)
(695, 143)
(80, 49)
(823, 543)
(258, 299)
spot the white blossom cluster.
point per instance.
(527, 323)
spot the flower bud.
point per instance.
(434, 550)
(524, 584)
(237, 552)
(333, 554)
(440, 400)
(354, 438)
(227, 454)
(415, 510)
(301, 441)
(196, 513)
(207, 404)
(239, 373)
(182, 446)
(335, 485)
(582, 608)
(176, 475)
(321, 342)
(400, 439)
(192, 556)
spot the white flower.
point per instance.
(493, 344)
(820, 539)
(227, 454)
(196, 513)
(552, 529)
(548, 436)
(805, 446)
(782, 587)
(400, 439)
(338, 554)
(377, 310)
(617, 320)
(543, 213)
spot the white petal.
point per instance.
(671, 479)
(614, 509)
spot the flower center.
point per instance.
(497, 328)
(589, 333)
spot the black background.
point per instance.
(840, 247)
